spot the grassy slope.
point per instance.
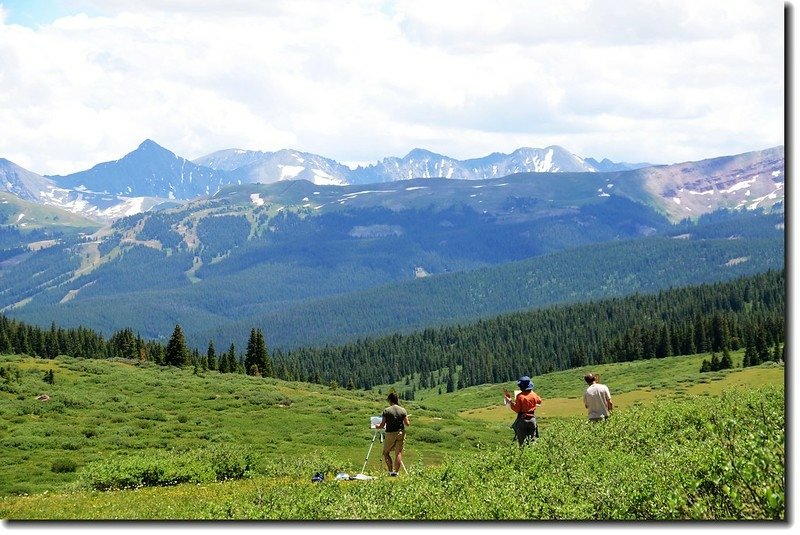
(31, 215)
(100, 409)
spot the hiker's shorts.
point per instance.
(394, 441)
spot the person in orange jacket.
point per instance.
(525, 404)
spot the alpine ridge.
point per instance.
(152, 176)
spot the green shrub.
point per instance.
(231, 462)
(63, 466)
(427, 435)
(164, 468)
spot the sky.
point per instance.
(659, 81)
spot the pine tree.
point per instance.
(51, 344)
(211, 356)
(726, 363)
(231, 363)
(141, 349)
(222, 365)
(5, 343)
(177, 354)
(256, 357)
(700, 339)
(777, 354)
(750, 355)
(664, 345)
(761, 346)
(719, 332)
(22, 344)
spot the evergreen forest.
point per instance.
(748, 313)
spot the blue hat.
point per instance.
(525, 383)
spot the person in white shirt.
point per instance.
(597, 398)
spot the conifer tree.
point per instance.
(231, 363)
(51, 343)
(777, 354)
(664, 346)
(211, 356)
(750, 355)
(222, 364)
(176, 353)
(715, 362)
(726, 363)
(141, 349)
(700, 338)
(256, 355)
(5, 343)
(21, 344)
(761, 346)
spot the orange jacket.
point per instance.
(526, 402)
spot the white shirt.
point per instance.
(596, 400)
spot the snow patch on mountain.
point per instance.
(742, 185)
(290, 171)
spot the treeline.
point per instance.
(19, 338)
(747, 312)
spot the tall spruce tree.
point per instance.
(176, 353)
(5, 343)
(231, 364)
(256, 360)
(211, 356)
(726, 363)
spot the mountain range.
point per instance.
(220, 245)
(152, 175)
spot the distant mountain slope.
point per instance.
(21, 182)
(148, 171)
(266, 167)
(607, 166)
(152, 175)
(25, 214)
(578, 275)
(754, 180)
(282, 253)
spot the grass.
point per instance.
(666, 461)
(105, 411)
(98, 409)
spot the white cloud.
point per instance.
(641, 80)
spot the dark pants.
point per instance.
(525, 429)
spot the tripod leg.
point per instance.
(372, 443)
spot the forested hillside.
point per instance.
(745, 313)
(305, 289)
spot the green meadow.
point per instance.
(127, 440)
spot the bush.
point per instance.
(164, 468)
(426, 435)
(63, 466)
